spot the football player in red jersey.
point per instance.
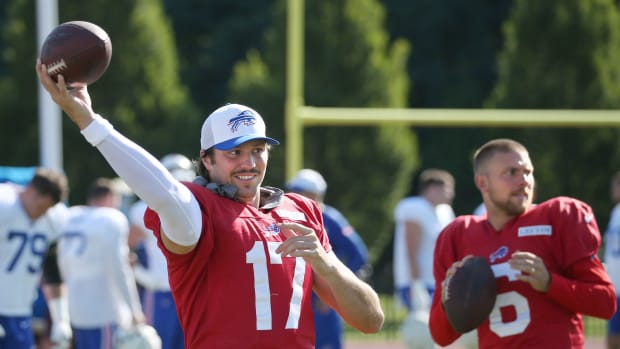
(544, 258)
(243, 258)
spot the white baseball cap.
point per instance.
(231, 125)
(308, 181)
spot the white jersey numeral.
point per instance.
(509, 299)
(257, 257)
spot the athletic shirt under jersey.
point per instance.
(233, 290)
(23, 245)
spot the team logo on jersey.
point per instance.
(271, 229)
(499, 254)
(246, 118)
(535, 230)
(292, 215)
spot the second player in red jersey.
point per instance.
(544, 258)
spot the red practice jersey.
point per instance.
(561, 231)
(233, 290)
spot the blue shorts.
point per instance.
(161, 313)
(40, 314)
(613, 325)
(328, 324)
(94, 338)
(18, 331)
(404, 296)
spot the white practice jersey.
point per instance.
(612, 247)
(432, 220)
(93, 256)
(23, 246)
(157, 268)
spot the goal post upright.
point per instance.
(294, 87)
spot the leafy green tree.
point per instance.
(3, 15)
(349, 63)
(563, 55)
(211, 36)
(18, 117)
(452, 65)
(140, 92)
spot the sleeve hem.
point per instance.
(97, 130)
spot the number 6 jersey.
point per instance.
(564, 234)
(248, 295)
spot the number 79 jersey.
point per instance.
(23, 246)
(233, 290)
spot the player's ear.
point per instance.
(207, 160)
(481, 182)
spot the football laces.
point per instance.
(56, 67)
(445, 290)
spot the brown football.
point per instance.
(80, 51)
(471, 294)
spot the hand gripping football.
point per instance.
(469, 294)
(79, 51)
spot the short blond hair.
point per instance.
(490, 148)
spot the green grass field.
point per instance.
(593, 327)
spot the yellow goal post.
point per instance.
(298, 115)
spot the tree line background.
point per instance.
(174, 61)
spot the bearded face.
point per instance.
(508, 182)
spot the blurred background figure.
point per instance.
(419, 220)
(347, 245)
(612, 258)
(152, 270)
(480, 210)
(93, 257)
(31, 218)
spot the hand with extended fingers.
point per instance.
(302, 241)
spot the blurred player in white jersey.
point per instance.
(93, 256)
(612, 259)
(419, 220)
(31, 218)
(152, 272)
(348, 246)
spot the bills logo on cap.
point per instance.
(246, 118)
(232, 125)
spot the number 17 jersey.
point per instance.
(233, 290)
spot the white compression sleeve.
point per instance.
(176, 206)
